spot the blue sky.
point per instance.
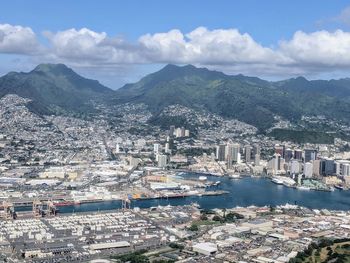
(120, 56)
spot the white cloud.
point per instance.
(202, 46)
(18, 40)
(319, 49)
(85, 45)
(222, 49)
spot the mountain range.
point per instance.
(55, 88)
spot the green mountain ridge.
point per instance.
(54, 87)
(249, 99)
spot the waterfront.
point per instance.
(242, 192)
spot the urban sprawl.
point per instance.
(48, 163)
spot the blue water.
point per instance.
(243, 192)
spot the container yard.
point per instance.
(86, 236)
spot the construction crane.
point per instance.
(37, 208)
(126, 202)
(50, 208)
(9, 210)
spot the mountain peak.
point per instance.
(300, 78)
(53, 68)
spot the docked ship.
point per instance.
(277, 181)
(303, 188)
(66, 203)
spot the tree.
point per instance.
(216, 218)
(193, 228)
(203, 217)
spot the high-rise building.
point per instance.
(233, 150)
(310, 155)
(183, 131)
(257, 159)
(345, 169)
(316, 167)
(298, 154)
(288, 155)
(187, 133)
(172, 130)
(178, 133)
(239, 157)
(220, 152)
(247, 153)
(117, 148)
(162, 160)
(229, 162)
(275, 163)
(167, 148)
(308, 170)
(295, 166)
(279, 149)
(256, 149)
(156, 148)
(327, 166)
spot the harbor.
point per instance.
(229, 193)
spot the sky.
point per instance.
(118, 42)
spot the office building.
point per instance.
(316, 167)
(220, 152)
(279, 149)
(256, 149)
(310, 155)
(156, 148)
(167, 147)
(257, 159)
(247, 153)
(233, 150)
(298, 154)
(295, 166)
(172, 130)
(288, 155)
(162, 160)
(327, 167)
(308, 170)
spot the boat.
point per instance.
(277, 181)
(235, 176)
(303, 188)
(202, 178)
(339, 187)
(216, 183)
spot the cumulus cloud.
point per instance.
(18, 40)
(202, 46)
(320, 48)
(87, 45)
(222, 49)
